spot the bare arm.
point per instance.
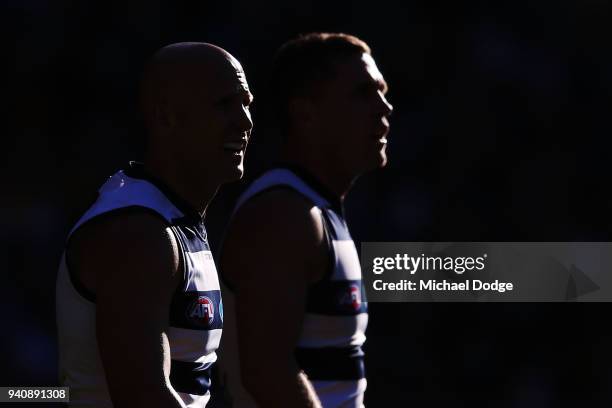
(132, 264)
(273, 250)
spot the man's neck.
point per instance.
(325, 172)
(197, 193)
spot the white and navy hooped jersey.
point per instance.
(196, 311)
(329, 347)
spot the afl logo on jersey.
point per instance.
(202, 310)
(352, 297)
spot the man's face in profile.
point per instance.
(216, 122)
(353, 114)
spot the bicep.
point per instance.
(269, 255)
(135, 271)
(131, 339)
(270, 307)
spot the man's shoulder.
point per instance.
(280, 195)
(130, 243)
(123, 225)
(280, 227)
(281, 209)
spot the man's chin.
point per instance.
(234, 174)
(383, 161)
(379, 162)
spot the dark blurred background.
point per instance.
(500, 133)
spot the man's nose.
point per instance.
(245, 122)
(385, 107)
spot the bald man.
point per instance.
(139, 310)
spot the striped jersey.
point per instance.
(196, 310)
(333, 332)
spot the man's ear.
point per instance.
(301, 110)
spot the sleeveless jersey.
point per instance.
(333, 332)
(196, 310)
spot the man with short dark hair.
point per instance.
(288, 255)
(139, 309)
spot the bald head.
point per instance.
(195, 100)
(190, 52)
(179, 72)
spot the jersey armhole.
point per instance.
(331, 254)
(74, 280)
(182, 262)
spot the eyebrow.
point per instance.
(238, 92)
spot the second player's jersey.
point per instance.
(196, 311)
(329, 347)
